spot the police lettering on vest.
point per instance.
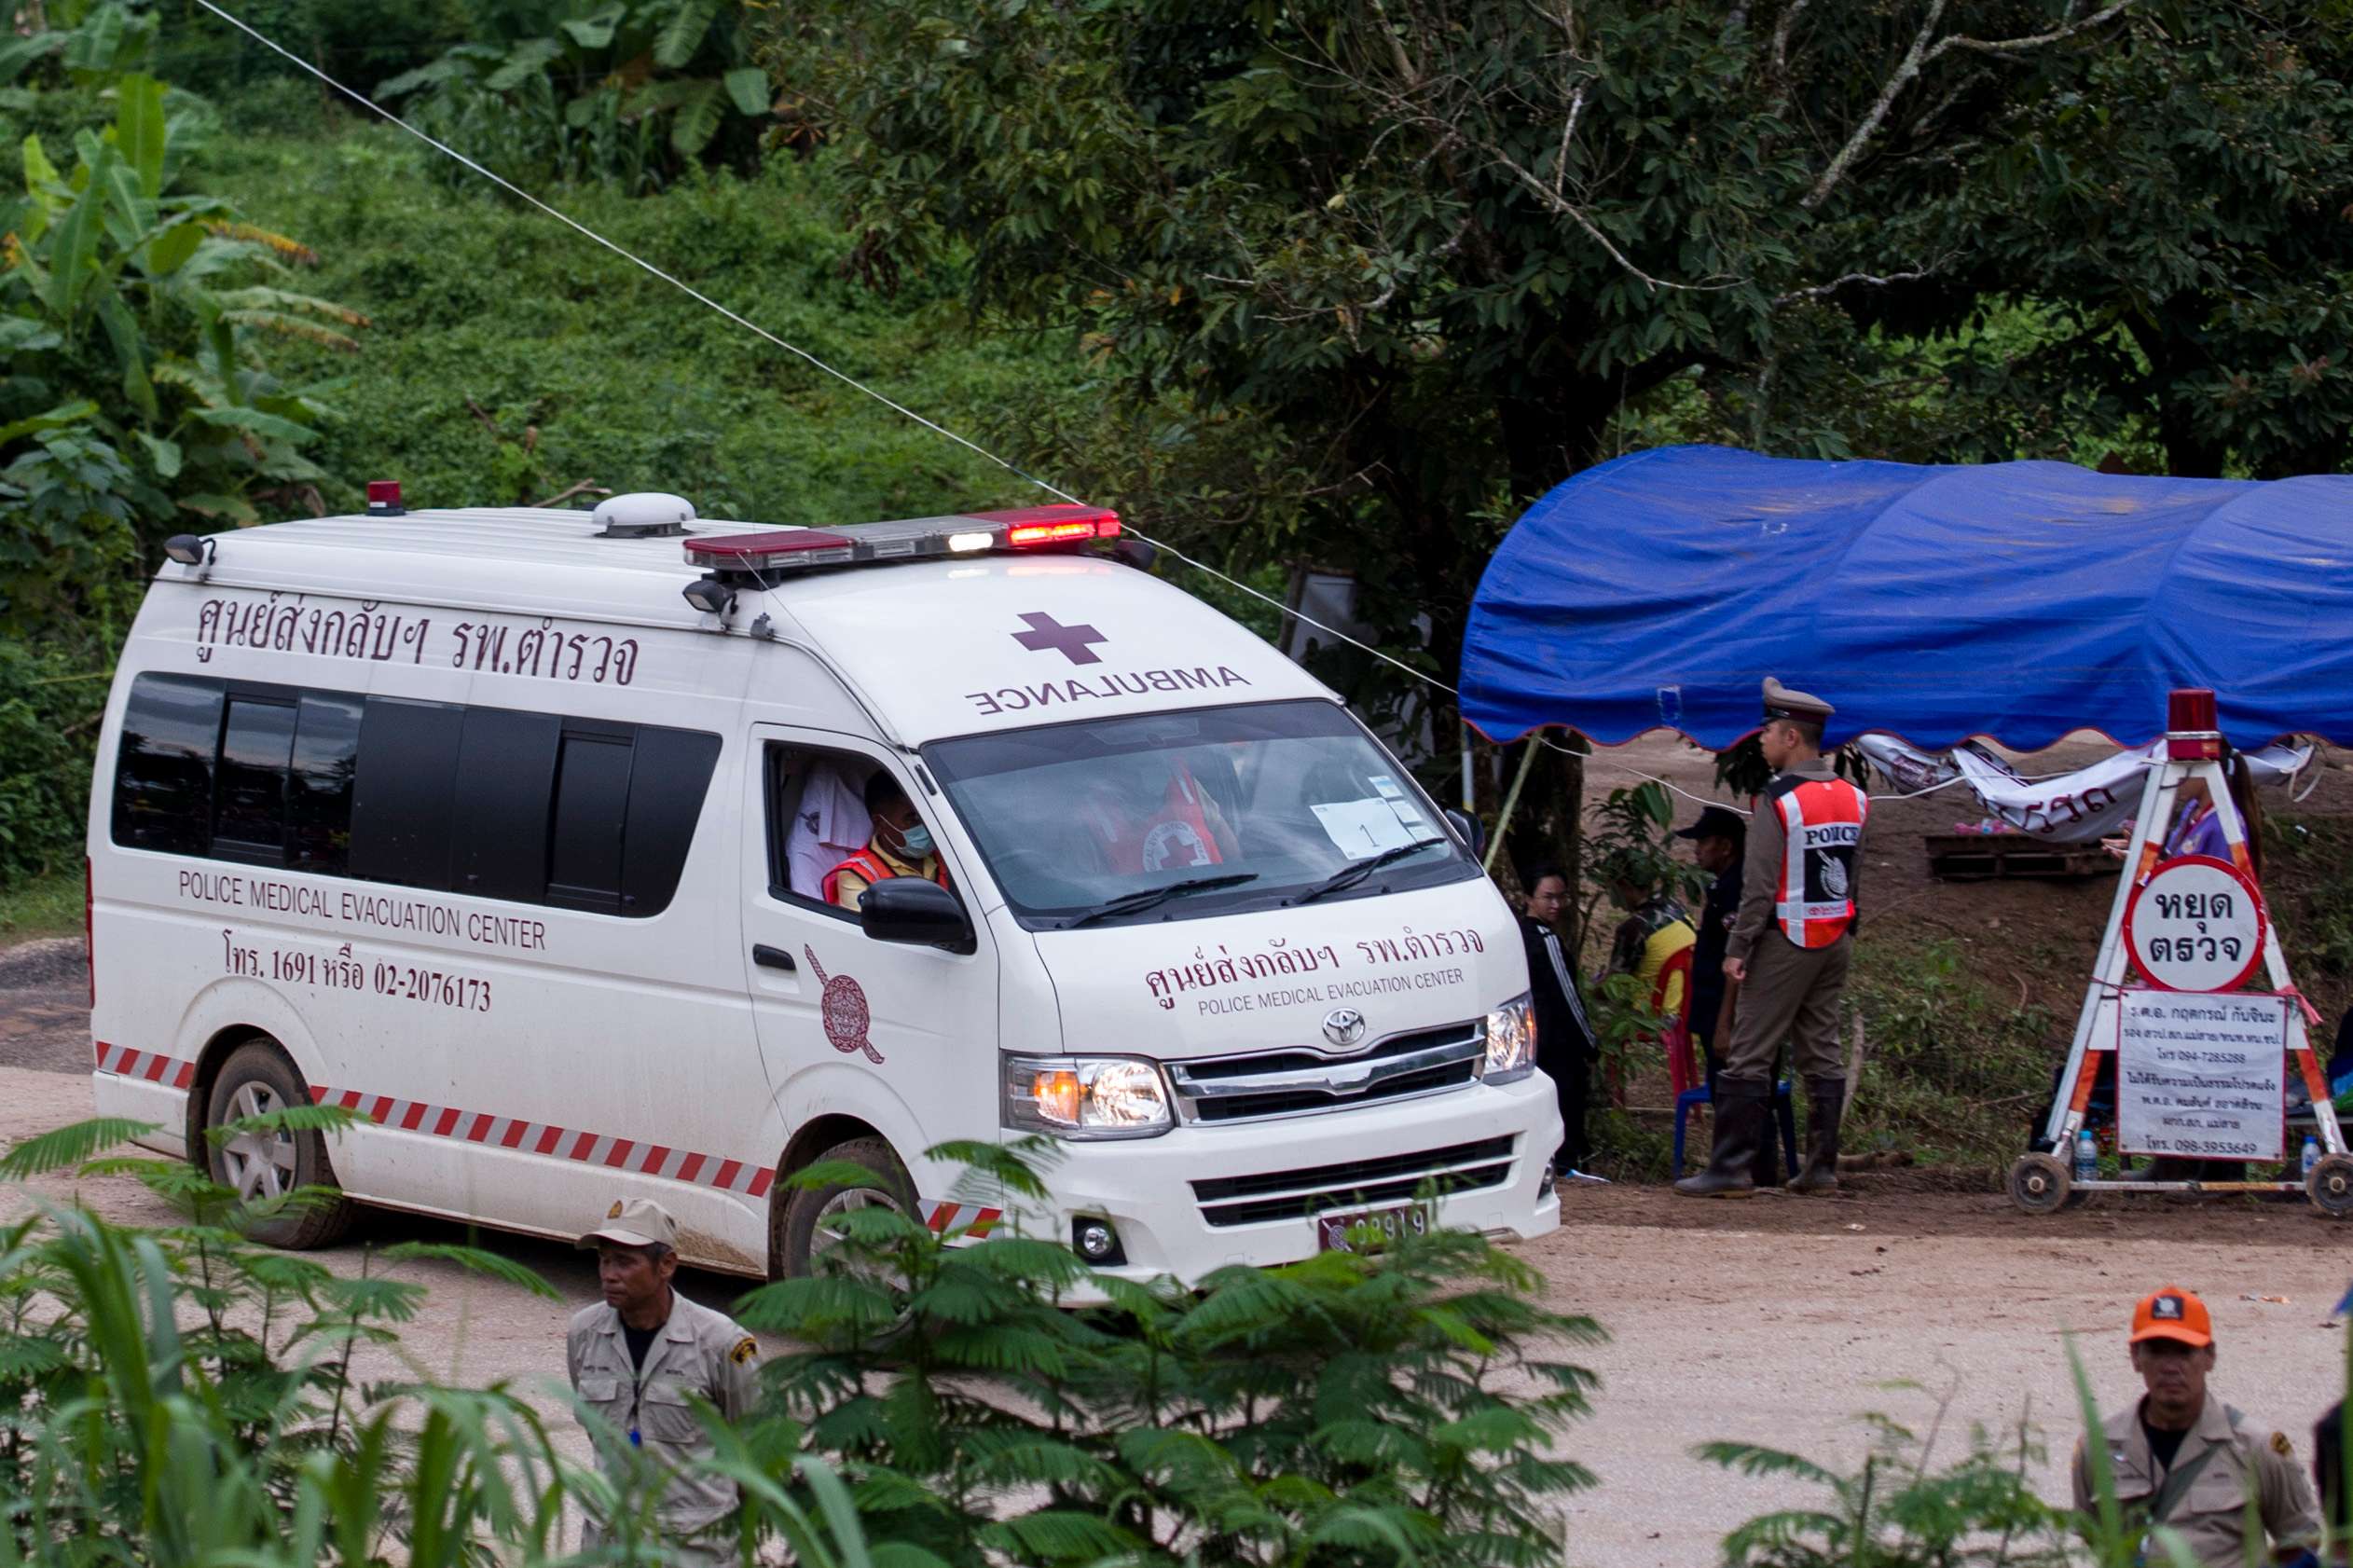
(1821, 822)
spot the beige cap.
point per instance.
(1783, 703)
(634, 1222)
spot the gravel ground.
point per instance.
(1779, 1320)
(44, 1006)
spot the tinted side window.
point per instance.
(327, 753)
(403, 794)
(249, 818)
(163, 772)
(530, 807)
(667, 789)
(592, 804)
(506, 772)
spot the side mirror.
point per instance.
(908, 909)
(1469, 829)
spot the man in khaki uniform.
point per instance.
(636, 1360)
(2182, 1459)
(1788, 951)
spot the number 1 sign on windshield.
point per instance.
(2196, 925)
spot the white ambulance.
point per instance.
(519, 833)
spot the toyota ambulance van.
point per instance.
(514, 832)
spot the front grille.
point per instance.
(1224, 1088)
(1252, 1200)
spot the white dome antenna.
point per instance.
(642, 514)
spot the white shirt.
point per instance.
(829, 825)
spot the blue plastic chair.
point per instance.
(1784, 1111)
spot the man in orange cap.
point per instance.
(2180, 1458)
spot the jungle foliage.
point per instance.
(1370, 278)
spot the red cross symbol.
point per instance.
(1071, 642)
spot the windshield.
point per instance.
(1251, 807)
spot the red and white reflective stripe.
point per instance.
(152, 1065)
(633, 1156)
(1813, 923)
(941, 1217)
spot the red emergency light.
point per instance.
(383, 498)
(967, 534)
(1062, 524)
(2192, 730)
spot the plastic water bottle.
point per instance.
(2311, 1153)
(2086, 1155)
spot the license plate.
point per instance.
(1373, 1228)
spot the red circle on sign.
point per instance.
(2246, 885)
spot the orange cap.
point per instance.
(2172, 1314)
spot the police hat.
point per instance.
(1783, 703)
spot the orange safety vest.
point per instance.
(870, 866)
(1821, 826)
(1174, 837)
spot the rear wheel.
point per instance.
(256, 1079)
(803, 1220)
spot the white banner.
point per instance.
(2091, 803)
(2202, 1076)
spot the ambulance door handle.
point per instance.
(771, 957)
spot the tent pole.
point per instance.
(1470, 791)
(1503, 821)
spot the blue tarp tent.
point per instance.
(2015, 601)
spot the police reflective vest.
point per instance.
(1821, 827)
(871, 868)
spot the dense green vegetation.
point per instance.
(180, 1396)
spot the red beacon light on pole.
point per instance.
(970, 533)
(383, 499)
(2193, 732)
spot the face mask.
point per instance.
(915, 841)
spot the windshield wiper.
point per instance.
(1128, 903)
(1348, 876)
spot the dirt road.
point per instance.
(1778, 1320)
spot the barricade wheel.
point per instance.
(2039, 1183)
(2331, 1186)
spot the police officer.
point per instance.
(2182, 1458)
(637, 1358)
(1789, 951)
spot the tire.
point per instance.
(2331, 1186)
(798, 1240)
(256, 1078)
(2040, 1184)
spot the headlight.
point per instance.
(1511, 1041)
(1085, 1096)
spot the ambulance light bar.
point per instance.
(909, 539)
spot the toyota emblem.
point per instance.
(1344, 1025)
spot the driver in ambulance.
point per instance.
(901, 845)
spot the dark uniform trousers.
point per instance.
(1790, 993)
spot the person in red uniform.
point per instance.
(900, 845)
(1789, 952)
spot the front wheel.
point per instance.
(803, 1237)
(261, 1167)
